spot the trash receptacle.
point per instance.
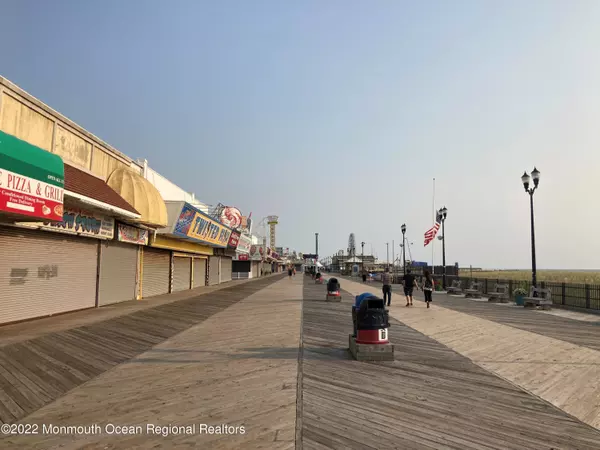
(371, 321)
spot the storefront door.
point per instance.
(182, 276)
(118, 272)
(214, 268)
(155, 272)
(199, 272)
(226, 264)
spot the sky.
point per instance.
(337, 116)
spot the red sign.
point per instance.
(234, 239)
(29, 197)
(243, 257)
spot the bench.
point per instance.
(474, 290)
(499, 294)
(456, 288)
(538, 297)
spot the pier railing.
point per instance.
(585, 296)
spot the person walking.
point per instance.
(290, 272)
(364, 276)
(410, 282)
(386, 278)
(428, 286)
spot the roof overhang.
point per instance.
(113, 210)
(140, 194)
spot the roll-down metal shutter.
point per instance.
(155, 272)
(44, 273)
(213, 270)
(225, 269)
(182, 276)
(255, 269)
(118, 270)
(199, 272)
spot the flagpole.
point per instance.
(433, 215)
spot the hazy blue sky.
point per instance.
(337, 115)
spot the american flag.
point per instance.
(430, 234)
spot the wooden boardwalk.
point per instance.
(429, 398)
(582, 333)
(237, 367)
(34, 373)
(271, 356)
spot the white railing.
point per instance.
(240, 275)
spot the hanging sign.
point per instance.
(132, 235)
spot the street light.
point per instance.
(535, 174)
(387, 244)
(443, 213)
(362, 257)
(403, 228)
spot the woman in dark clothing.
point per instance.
(428, 285)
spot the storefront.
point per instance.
(225, 264)
(193, 236)
(156, 272)
(120, 265)
(187, 262)
(257, 255)
(199, 274)
(241, 264)
(214, 270)
(241, 267)
(51, 252)
(183, 265)
(227, 255)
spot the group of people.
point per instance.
(291, 271)
(410, 282)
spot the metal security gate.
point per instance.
(44, 273)
(255, 269)
(225, 269)
(155, 272)
(213, 270)
(199, 272)
(182, 275)
(118, 272)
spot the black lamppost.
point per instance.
(362, 257)
(535, 174)
(403, 228)
(443, 213)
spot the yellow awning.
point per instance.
(140, 194)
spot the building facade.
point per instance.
(82, 225)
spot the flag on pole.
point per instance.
(431, 233)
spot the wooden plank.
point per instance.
(29, 375)
(458, 404)
(225, 370)
(49, 372)
(55, 363)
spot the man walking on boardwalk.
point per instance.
(409, 283)
(386, 278)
